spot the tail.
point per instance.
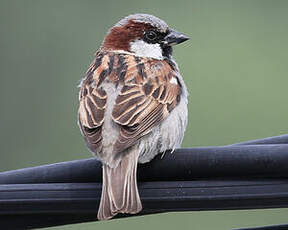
(119, 189)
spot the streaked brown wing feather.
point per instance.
(92, 102)
(145, 100)
(91, 116)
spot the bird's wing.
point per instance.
(92, 103)
(151, 91)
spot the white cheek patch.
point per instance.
(143, 49)
(173, 80)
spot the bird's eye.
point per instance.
(150, 36)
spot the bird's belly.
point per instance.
(168, 135)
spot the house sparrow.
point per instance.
(132, 106)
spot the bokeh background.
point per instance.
(235, 66)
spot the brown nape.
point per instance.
(119, 38)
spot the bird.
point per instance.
(132, 106)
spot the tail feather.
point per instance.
(119, 190)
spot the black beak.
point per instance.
(174, 38)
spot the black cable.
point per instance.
(271, 227)
(248, 175)
(265, 160)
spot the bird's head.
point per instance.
(143, 35)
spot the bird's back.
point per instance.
(123, 98)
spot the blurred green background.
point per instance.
(235, 67)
